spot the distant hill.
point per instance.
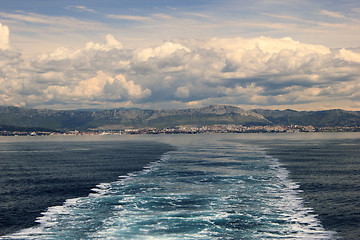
(127, 118)
(328, 118)
(136, 118)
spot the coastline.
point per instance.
(188, 129)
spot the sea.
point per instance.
(203, 186)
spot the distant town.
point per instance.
(15, 121)
(187, 129)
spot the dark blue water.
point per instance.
(328, 171)
(205, 187)
(36, 173)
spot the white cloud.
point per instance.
(56, 23)
(59, 54)
(82, 9)
(349, 55)
(162, 16)
(111, 43)
(151, 18)
(101, 87)
(267, 45)
(130, 17)
(119, 88)
(162, 51)
(331, 14)
(256, 71)
(4, 37)
(25, 17)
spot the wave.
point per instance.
(206, 190)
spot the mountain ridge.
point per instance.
(137, 118)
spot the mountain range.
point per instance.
(138, 118)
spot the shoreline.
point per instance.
(189, 130)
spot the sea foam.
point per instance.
(207, 190)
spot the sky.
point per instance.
(161, 54)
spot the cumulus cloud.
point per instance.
(4, 37)
(100, 88)
(111, 43)
(255, 72)
(163, 51)
(10, 71)
(350, 56)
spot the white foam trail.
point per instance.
(50, 216)
(305, 222)
(223, 191)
